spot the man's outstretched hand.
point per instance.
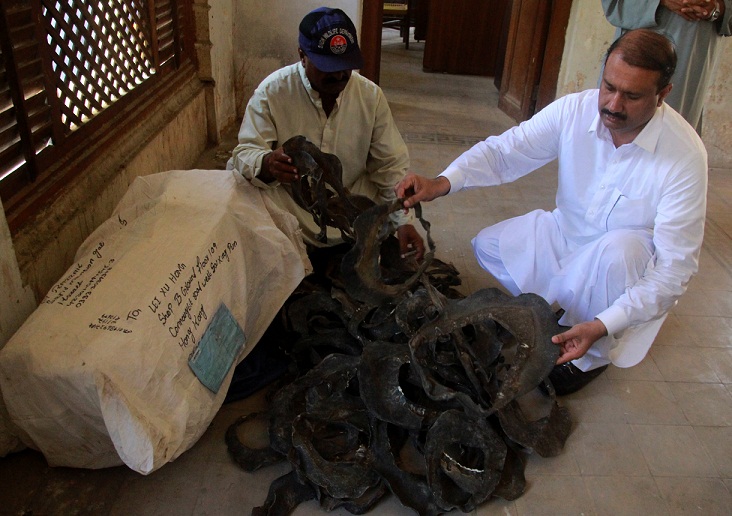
(415, 189)
(576, 341)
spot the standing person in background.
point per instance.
(696, 27)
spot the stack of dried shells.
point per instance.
(400, 383)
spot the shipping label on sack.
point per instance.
(177, 302)
(219, 346)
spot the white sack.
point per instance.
(99, 374)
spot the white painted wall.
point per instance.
(717, 117)
(16, 301)
(221, 26)
(588, 36)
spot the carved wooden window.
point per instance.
(68, 66)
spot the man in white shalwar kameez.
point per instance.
(624, 239)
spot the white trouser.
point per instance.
(584, 282)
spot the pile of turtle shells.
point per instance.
(399, 384)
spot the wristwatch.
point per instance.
(715, 13)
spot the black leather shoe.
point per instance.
(567, 378)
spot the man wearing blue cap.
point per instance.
(322, 98)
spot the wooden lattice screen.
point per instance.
(67, 66)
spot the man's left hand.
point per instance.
(576, 341)
(410, 242)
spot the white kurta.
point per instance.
(360, 131)
(655, 185)
(699, 46)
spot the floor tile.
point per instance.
(621, 495)
(673, 451)
(70, 491)
(718, 444)
(700, 496)
(497, 507)
(598, 402)
(226, 486)
(564, 464)
(556, 496)
(704, 404)
(705, 303)
(677, 364)
(645, 371)
(720, 360)
(603, 449)
(647, 402)
(708, 331)
(172, 489)
(713, 267)
(677, 331)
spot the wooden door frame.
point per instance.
(527, 32)
(534, 51)
(553, 53)
(372, 16)
(548, 75)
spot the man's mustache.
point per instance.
(621, 116)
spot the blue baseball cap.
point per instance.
(328, 38)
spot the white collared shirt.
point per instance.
(658, 182)
(360, 131)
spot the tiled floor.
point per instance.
(655, 439)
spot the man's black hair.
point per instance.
(649, 50)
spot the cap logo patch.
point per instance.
(338, 44)
(339, 38)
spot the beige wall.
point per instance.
(717, 128)
(16, 301)
(589, 35)
(221, 22)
